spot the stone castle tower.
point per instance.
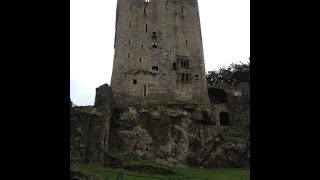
(158, 52)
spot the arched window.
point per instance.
(224, 119)
(155, 68)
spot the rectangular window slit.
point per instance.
(174, 66)
(145, 90)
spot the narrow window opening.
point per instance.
(130, 7)
(155, 68)
(144, 90)
(144, 11)
(170, 50)
(140, 59)
(134, 81)
(181, 63)
(196, 77)
(142, 47)
(129, 41)
(128, 55)
(174, 65)
(146, 27)
(130, 24)
(186, 42)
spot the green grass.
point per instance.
(100, 173)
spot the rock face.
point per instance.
(186, 134)
(136, 141)
(89, 129)
(158, 133)
(178, 133)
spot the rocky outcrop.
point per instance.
(136, 141)
(178, 133)
(180, 144)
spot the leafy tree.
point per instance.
(232, 75)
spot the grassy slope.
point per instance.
(100, 173)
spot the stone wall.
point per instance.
(89, 128)
(144, 72)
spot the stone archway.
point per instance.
(224, 119)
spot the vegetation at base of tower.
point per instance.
(102, 173)
(233, 75)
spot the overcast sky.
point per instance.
(225, 26)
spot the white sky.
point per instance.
(225, 26)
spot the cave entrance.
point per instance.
(224, 119)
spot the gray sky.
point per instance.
(225, 26)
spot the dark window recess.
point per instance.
(154, 34)
(154, 45)
(174, 66)
(140, 59)
(185, 78)
(155, 68)
(130, 7)
(186, 42)
(145, 90)
(184, 64)
(142, 47)
(134, 81)
(196, 77)
(144, 11)
(217, 96)
(129, 41)
(128, 55)
(146, 27)
(224, 119)
(129, 24)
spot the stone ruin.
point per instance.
(177, 133)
